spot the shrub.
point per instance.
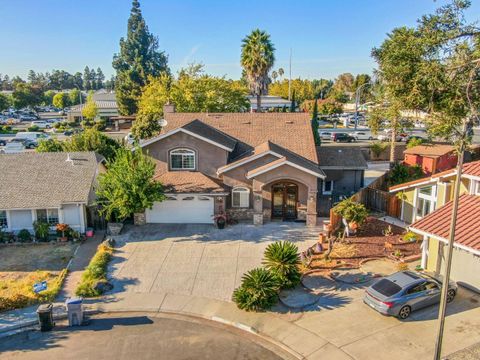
(410, 236)
(33, 128)
(401, 173)
(415, 142)
(24, 236)
(96, 271)
(351, 211)
(258, 291)
(377, 148)
(42, 229)
(282, 259)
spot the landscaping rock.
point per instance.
(102, 286)
(298, 298)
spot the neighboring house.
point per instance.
(269, 102)
(431, 158)
(426, 203)
(254, 166)
(106, 104)
(55, 187)
(344, 168)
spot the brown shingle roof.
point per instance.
(200, 128)
(466, 232)
(189, 182)
(340, 157)
(41, 180)
(289, 130)
(435, 150)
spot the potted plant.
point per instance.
(220, 220)
(62, 228)
(354, 213)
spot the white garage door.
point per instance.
(188, 209)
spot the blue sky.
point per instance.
(327, 37)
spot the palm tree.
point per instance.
(281, 72)
(274, 75)
(257, 59)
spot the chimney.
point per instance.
(168, 108)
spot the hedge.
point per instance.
(95, 272)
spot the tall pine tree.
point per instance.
(316, 135)
(293, 105)
(138, 58)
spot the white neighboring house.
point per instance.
(55, 187)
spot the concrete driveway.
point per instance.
(196, 260)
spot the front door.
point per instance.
(284, 201)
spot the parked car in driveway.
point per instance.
(403, 292)
(342, 137)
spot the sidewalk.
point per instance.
(15, 319)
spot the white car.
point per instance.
(325, 135)
(41, 124)
(361, 135)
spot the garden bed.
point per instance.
(369, 243)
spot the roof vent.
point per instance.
(289, 122)
(246, 123)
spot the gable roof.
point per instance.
(469, 170)
(46, 180)
(292, 131)
(202, 131)
(316, 171)
(434, 150)
(437, 223)
(333, 157)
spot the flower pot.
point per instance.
(114, 228)
(63, 239)
(221, 223)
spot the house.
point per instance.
(254, 166)
(430, 206)
(420, 197)
(344, 168)
(269, 102)
(55, 187)
(106, 104)
(431, 158)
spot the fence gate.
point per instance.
(374, 199)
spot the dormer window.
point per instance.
(182, 159)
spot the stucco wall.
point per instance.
(408, 197)
(209, 157)
(465, 269)
(433, 247)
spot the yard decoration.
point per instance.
(220, 220)
(258, 291)
(62, 228)
(282, 259)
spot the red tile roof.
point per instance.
(466, 230)
(472, 168)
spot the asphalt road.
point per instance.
(137, 336)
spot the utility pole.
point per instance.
(357, 101)
(290, 76)
(451, 239)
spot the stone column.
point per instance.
(257, 203)
(312, 208)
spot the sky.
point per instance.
(326, 37)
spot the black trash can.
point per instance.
(45, 317)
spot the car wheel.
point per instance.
(370, 138)
(450, 295)
(404, 312)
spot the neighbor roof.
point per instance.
(189, 182)
(292, 131)
(333, 157)
(437, 223)
(435, 150)
(46, 180)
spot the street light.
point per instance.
(357, 100)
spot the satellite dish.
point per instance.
(162, 122)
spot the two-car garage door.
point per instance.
(187, 209)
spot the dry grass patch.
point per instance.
(23, 266)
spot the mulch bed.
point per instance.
(370, 243)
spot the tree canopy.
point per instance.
(138, 59)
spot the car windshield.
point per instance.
(386, 287)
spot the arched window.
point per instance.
(241, 197)
(182, 159)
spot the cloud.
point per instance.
(189, 57)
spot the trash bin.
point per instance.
(74, 311)
(45, 317)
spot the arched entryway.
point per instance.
(284, 200)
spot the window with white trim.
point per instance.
(327, 187)
(3, 219)
(475, 187)
(48, 215)
(425, 201)
(241, 197)
(182, 159)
